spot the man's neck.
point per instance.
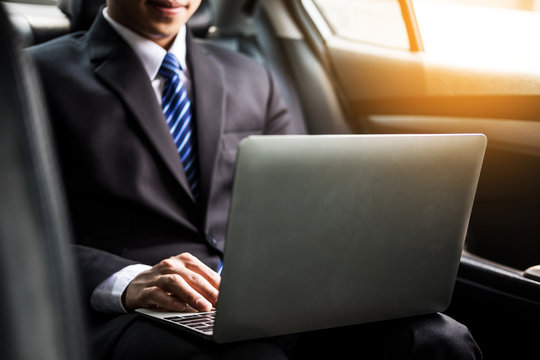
(150, 53)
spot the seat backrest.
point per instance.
(39, 306)
(36, 23)
(299, 68)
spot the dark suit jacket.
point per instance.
(128, 196)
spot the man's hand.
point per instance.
(173, 284)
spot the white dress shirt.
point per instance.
(107, 296)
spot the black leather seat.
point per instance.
(39, 306)
(36, 23)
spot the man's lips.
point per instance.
(167, 7)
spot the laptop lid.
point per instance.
(328, 231)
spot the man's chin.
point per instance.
(163, 36)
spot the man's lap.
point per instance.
(132, 336)
(433, 336)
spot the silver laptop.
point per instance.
(329, 231)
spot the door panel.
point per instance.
(368, 72)
(516, 136)
(395, 91)
(503, 222)
(404, 95)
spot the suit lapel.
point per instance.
(208, 83)
(119, 67)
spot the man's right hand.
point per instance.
(173, 284)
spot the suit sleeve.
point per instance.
(95, 266)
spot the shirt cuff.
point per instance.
(107, 296)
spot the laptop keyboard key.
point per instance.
(203, 322)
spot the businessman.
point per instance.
(147, 124)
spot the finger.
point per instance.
(156, 297)
(210, 275)
(197, 266)
(201, 285)
(176, 264)
(176, 285)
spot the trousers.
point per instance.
(434, 336)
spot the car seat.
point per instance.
(39, 306)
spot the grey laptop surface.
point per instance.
(328, 231)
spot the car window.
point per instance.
(376, 22)
(483, 31)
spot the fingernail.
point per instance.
(181, 306)
(203, 303)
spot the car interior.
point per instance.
(332, 86)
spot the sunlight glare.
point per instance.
(480, 35)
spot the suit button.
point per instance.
(212, 239)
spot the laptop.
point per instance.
(336, 230)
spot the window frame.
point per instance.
(411, 24)
(327, 30)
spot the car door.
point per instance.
(448, 67)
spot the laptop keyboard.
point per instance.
(202, 322)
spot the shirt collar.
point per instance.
(150, 53)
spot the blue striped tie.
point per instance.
(177, 110)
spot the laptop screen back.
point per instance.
(328, 231)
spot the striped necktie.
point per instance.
(177, 110)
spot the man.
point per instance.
(147, 124)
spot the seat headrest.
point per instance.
(81, 14)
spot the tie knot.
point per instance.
(170, 66)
